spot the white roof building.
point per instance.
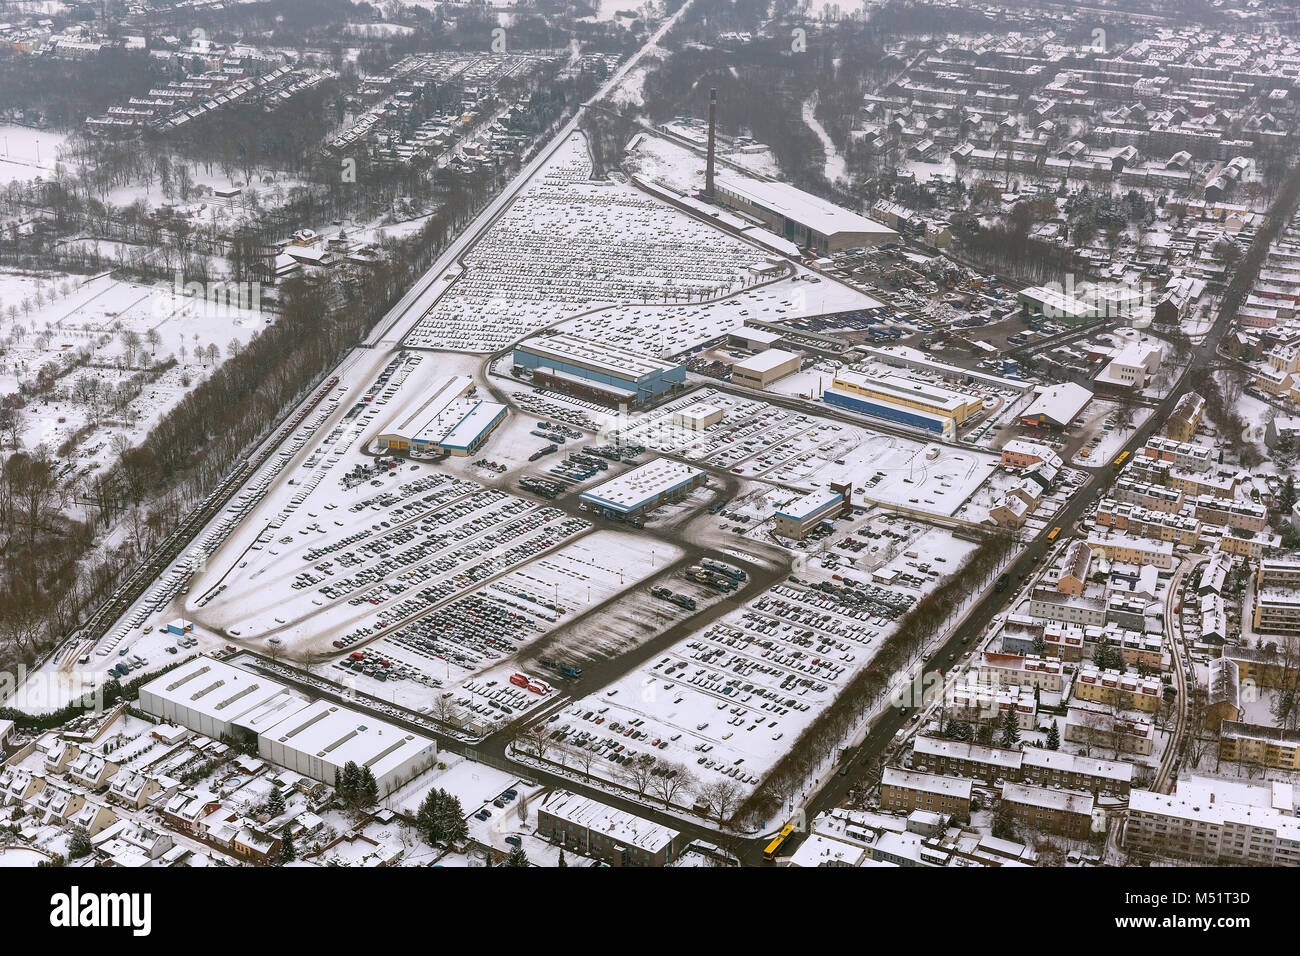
(218, 699)
(321, 738)
(643, 487)
(811, 220)
(1057, 405)
(617, 825)
(209, 696)
(448, 420)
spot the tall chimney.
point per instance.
(708, 165)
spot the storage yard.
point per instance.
(757, 440)
(727, 701)
(569, 244)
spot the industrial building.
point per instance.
(598, 372)
(805, 513)
(642, 489)
(451, 421)
(754, 339)
(320, 739)
(1056, 304)
(1057, 405)
(697, 417)
(799, 216)
(941, 425)
(222, 701)
(909, 393)
(905, 401)
(210, 697)
(761, 370)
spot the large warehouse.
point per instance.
(910, 393)
(802, 217)
(941, 425)
(761, 370)
(210, 697)
(1057, 405)
(597, 371)
(219, 700)
(450, 420)
(319, 739)
(754, 339)
(642, 489)
(1056, 304)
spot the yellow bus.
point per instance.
(775, 845)
(1121, 459)
(1051, 535)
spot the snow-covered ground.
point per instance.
(109, 330)
(833, 168)
(26, 153)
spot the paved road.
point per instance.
(1179, 663)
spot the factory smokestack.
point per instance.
(708, 163)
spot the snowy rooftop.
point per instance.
(909, 388)
(1066, 801)
(804, 208)
(1059, 403)
(962, 750)
(339, 735)
(600, 356)
(766, 361)
(641, 484)
(447, 417)
(958, 787)
(806, 505)
(615, 824)
(1217, 802)
(757, 335)
(215, 689)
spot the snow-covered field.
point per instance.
(105, 331)
(26, 153)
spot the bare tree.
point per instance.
(640, 773)
(445, 710)
(673, 779)
(721, 797)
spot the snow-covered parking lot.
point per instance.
(756, 439)
(729, 700)
(568, 244)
